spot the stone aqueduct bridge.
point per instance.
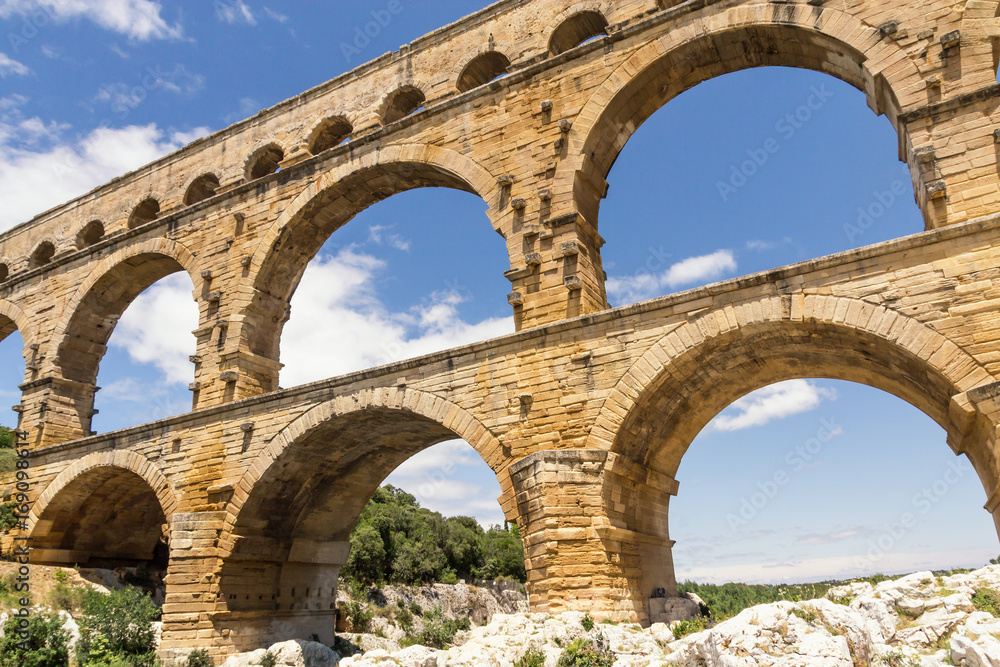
(583, 414)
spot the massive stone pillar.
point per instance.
(594, 527)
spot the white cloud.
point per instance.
(275, 16)
(452, 479)
(234, 11)
(10, 66)
(156, 328)
(34, 179)
(377, 235)
(776, 401)
(339, 324)
(645, 285)
(139, 19)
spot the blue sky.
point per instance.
(91, 89)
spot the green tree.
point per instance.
(121, 621)
(46, 643)
(504, 554)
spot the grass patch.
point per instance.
(988, 600)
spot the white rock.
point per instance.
(294, 653)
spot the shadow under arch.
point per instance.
(108, 508)
(90, 317)
(331, 201)
(694, 372)
(798, 35)
(292, 513)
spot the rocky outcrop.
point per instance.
(916, 621)
(295, 653)
(477, 603)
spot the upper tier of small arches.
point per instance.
(576, 26)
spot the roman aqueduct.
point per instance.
(585, 412)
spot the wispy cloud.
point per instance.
(378, 235)
(234, 11)
(690, 271)
(9, 66)
(138, 19)
(275, 16)
(774, 402)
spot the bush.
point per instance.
(269, 660)
(199, 658)
(584, 653)
(438, 631)
(360, 614)
(587, 623)
(8, 517)
(47, 643)
(117, 627)
(690, 626)
(988, 600)
(532, 658)
(66, 597)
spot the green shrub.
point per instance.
(66, 597)
(8, 517)
(689, 627)
(199, 658)
(360, 614)
(404, 617)
(117, 627)
(416, 609)
(438, 631)
(269, 660)
(584, 653)
(531, 658)
(988, 600)
(47, 643)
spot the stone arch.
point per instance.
(482, 66)
(90, 316)
(201, 187)
(144, 209)
(263, 161)
(329, 132)
(459, 422)
(576, 25)
(740, 37)
(289, 520)
(400, 103)
(701, 366)
(108, 506)
(300, 231)
(772, 339)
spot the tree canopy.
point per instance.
(398, 541)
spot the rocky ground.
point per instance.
(918, 620)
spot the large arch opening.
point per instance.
(399, 281)
(133, 321)
(291, 524)
(672, 66)
(818, 480)
(811, 172)
(708, 373)
(106, 517)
